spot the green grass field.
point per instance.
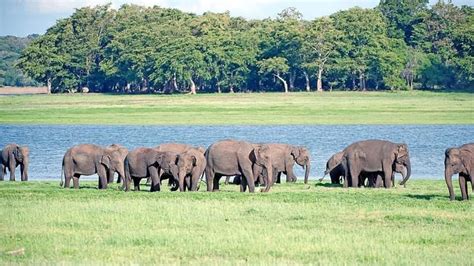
(416, 107)
(293, 224)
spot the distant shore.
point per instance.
(327, 108)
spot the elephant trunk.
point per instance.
(269, 181)
(181, 179)
(127, 179)
(24, 169)
(408, 172)
(307, 170)
(448, 174)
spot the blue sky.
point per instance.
(23, 17)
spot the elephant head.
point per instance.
(302, 158)
(402, 158)
(22, 156)
(455, 162)
(167, 163)
(263, 159)
(191, 162)
(333, 162)
(113, 158)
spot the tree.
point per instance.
(276, 66)
(320, 44)
(403, 16)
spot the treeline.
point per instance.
(10, 49)
(400, 44)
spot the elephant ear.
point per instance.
(402, 151)
(295, 152)
(105, 160)
(17, 153)
(201, 149)
(261, 154)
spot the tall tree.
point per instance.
(276, 66)
(320, 43)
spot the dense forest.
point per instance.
(399, 45)
(10, 49)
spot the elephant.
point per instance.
(284, 157)
(11, 156)
(372, 156)
(376, 179)
(336, 172)
(146, 162)
(233, 157)
(459, 160)
(175, 148)
(191, 165)
(334, 168)
(89, 159)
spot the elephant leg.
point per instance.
(290, 175)
(243, 184)
(209, 179)
(75, 181)
(119, 179)
(102, 173)
(388, 177)
(227, 179)
(355, 172)
(278, 179)
(379, 181)
(463, 186)
(248, 175)
(155, 179)
(110, 176)
(136, 183)
(2, 172)
(215, 182)
(472, 182)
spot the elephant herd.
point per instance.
(369, 163)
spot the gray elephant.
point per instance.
(11, 156)
(232, 157)
(371, 156)
(334, 168)
(175, 148)
(459, 160)
(284, 157)
(336, 171)
(376, 179)
(191, 165)
(89, 159)
(146, 162)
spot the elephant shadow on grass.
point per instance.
(321, 184)
(425, 196)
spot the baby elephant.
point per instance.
(11, 156)
(191, 165)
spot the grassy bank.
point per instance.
(255, 109)
(292, 224)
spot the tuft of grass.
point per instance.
(414, 107)
(293, 224)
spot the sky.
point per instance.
(24, 17)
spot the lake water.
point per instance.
(426, 143)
